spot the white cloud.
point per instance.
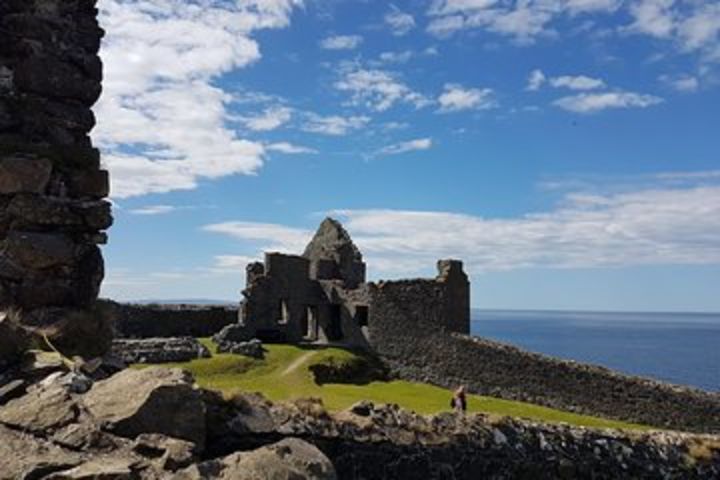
(396, 57)
(653, 17)
(234, 262)
(400, 22)
(288, 148)
(275, 238)
(390, 126)
(681, 83)
(595, 102)
(160, 61)
(408, 146)
(341, 42)
(270, 119)
(585, 6)
(701, 28)
(333, 124)
(456, 98)
(712, 175)
(650, 226)
(153, 210)
(692, 26)
(523, 20)
(580, 82)
(536, 79)
(518, 18)
(378, 89)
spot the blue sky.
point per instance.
(566, 150)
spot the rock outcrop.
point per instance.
(148, 424)
(155, 424)
(52, 189)
(252, 348)
(152, 400)
(159, 350)
(386, 442)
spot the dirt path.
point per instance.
(297, 363)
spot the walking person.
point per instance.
(459, 400)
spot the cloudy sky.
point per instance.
(566, 150)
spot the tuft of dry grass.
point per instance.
(703, 449)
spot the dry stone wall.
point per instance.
(150, 321)
(52, 212)
(491, 368)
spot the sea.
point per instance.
(681, 348)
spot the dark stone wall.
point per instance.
(409, 331)
(150, 321)
(426, 308)
(491, 368)
(286, 279)
(52, 212)
(385, 442)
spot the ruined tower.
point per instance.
(52, 188)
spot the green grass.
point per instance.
(234, 373)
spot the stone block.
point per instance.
(45, 292)
(20, 174)
(152, 400)
(88, 183)
(40, 250)
(96, 215)
(54, 78)
(31, 209)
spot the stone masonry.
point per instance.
(322, 297)
(52, 189)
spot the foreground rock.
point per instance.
(138, 424)
(382, 442)
(159, 350)
(155, 424)
(152, 400)
(286, 460)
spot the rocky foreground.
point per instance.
(156, 424)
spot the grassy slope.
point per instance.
(229, 373)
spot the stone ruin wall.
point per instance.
(419, 346)
(297, 282)
(52, 212)
(163, 321)
(426, 308)
(499, 370)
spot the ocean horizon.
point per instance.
(680, 348)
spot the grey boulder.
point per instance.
(151, 400)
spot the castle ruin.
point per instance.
(322, 296)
